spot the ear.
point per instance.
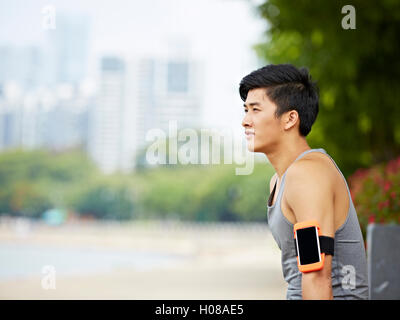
(290, 119)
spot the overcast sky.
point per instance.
(220, 32)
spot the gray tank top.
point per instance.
(349, 264)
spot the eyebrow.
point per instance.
(251, 104)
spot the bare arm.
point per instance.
(310, 196)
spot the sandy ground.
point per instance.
(222, 261)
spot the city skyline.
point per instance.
(221, 33)
(181, 49)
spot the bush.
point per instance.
(24, 198)
(204, 193)
(104, 200)
(376, 193)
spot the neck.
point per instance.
(283, 156)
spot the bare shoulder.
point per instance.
(309, 179)
(309, 192)
(310, 170)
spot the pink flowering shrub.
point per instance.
(376, 193)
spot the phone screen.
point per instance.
(307, 245)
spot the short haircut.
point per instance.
(289, 88)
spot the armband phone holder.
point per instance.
(311, 246)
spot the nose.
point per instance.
(247, 121)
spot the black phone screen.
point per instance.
(308, 246)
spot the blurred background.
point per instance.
(84, 214)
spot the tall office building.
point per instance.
(64, 126)
(138, 95)
(44, 119)
(66, 50)
(106, 116)
(8, 127)
(169, 90)
(22, 65)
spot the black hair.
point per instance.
(289, 88)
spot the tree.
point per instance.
(34, 181)
(104, 200)
(357, 70)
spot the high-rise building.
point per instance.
(66, 50)
(138, 95)
(65, 124)
(168, 90)
(22, 65)
(8, 125)
(43, 118)
(63, 59)
(106, 116)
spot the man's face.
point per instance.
(260, 119)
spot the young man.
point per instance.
(281, 105)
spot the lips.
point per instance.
(249, 134)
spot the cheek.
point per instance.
(267, 125)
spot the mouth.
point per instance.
(249, 134)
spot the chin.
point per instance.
(251, 147)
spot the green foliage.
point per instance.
(376, 193)
(39, 165)
(358, 72)
(202, 193)
(34, 181)
(104, 199)
(23, 198)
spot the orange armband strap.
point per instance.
(311, 247)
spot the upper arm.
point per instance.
(309, 194)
